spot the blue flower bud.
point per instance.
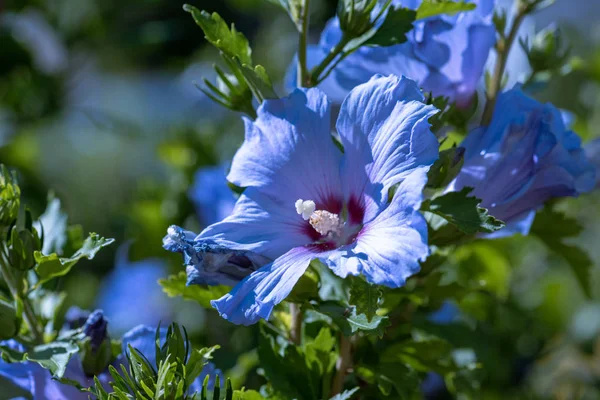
(76, 317)
(96, 349)
(95, 329)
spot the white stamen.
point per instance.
(305, 208)
(325, 222)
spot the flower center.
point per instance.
(324, 222)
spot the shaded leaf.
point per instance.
(52, 266)
(365, 297)
(175, 285)
(463, 211)
(52, 356)
(398, 22)
(350, 322)
(552, 227)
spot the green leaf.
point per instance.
(398, 22)
(463, 211)
(175, 285)
(54, 226)
(247, 395)
(350, 322)
(431, 8)
(320, 353)
(258, 81)
(52, 356)
(229, 41)
(52, 266)
(446, 167)
(198, 359)
(365, 297)
(552, 227)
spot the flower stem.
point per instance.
(303, 44)
(318, 70)
(343, 363)
(503, 47)
(296, 326)
(28, 313)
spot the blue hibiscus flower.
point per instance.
(307, 200)
(525, 157)
(445, 54)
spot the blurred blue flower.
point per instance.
(446, 314)
(211, 196)
(525, 157)
(445, 54)
(592, 151)
(130, 294)
(290, 165)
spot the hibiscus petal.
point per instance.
(384, 130)
(389, 248)
(261, 224)
(288, 151)
(255, 297)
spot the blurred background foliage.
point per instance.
(98, 104)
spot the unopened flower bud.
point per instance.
(22, 244)
(355, 16)
(96, 349)
(9, 323)
(10, 196)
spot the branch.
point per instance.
(503, 47)
(343, 363)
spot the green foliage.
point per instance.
(10, 321)
(300, 372)
(177, 366)
(52, 356)
(51, 266)
(446, 167)
(463, 212)
(175, 285)
(10, 197)
(23, 242)
(355, 16)
(365, 297)
(231, 42)
(398, 22)
(552, 228)
(349, 321)
(237, 54)
(431, 8)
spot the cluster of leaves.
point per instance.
(177, 367)
(33, 254)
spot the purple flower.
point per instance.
(306, 200)
(525, 157)
(592, 151)
(446, 54)
(211, 196)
